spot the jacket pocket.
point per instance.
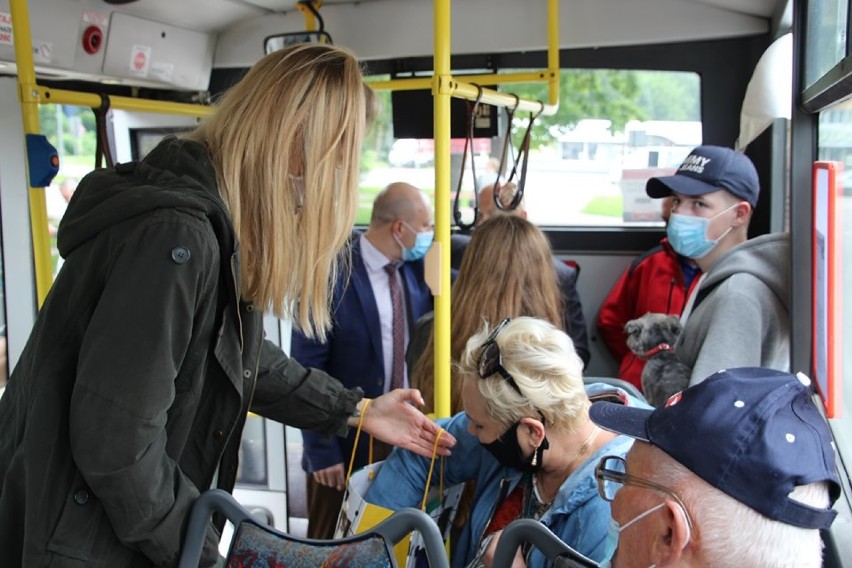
(83, 535)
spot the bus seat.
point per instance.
(256, 545)
(622, 384)
(573, 264)
(527, 530)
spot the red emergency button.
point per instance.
(93, 38)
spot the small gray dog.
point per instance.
(652, 337)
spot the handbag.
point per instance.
(358, 515)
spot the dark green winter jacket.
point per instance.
(131, 393)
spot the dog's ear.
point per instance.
(633, 326)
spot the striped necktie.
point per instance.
(398, 329)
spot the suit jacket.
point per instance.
(574, 321)
(352, 352)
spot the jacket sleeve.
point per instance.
(419, 341)
(401, 481)
(574, 318)
(585, 530)
(733, 332)
(300, 397)
(617, 309)
(130, 356)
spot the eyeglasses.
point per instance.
(611, 474)
(491, 360)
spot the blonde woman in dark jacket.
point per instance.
(131, 394)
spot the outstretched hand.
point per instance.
(394, 418)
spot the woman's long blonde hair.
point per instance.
(286, 145)
(507, 271)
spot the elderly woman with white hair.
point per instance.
(526, 439)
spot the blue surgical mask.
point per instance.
(688, 234)
(422, 242)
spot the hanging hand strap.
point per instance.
(468, 143)
(102, 149)
(507, 143)
(523, 159)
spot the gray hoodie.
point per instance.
(741, 316)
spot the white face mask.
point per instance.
(615, 530)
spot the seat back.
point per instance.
(256, 545)
(527, 530)
(615, 382)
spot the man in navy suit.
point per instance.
(378, 304)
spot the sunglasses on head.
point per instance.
(491, 360)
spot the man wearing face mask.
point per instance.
(737, 315)
(374, 307)
(657, 281)
(736, 471)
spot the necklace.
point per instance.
(543, 505)
(584, 448)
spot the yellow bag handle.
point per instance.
(370, 457)
(431, 467)
(357, 436)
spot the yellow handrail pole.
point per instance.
(310, 19)
(553, 53)
(74, 98)
(29, 113)
(459, 87)
(470, 92)
(415, 83)
(441, 89)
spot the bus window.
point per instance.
(253, 468)
(835, 143)
(4, 354)
(71, 130)
(588, 164)
(826, 33)
(614, 129)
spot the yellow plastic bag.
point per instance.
(357, 515)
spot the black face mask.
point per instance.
(507, 450)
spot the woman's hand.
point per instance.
(333, 477)
(393, 418)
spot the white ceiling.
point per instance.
(220, 15)
(764, 8)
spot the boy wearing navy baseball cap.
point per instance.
(738, 470)
(738, 314)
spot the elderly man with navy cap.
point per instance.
(736, 471)
(737, 315)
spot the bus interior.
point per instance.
(618, 91)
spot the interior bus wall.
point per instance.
(803, 142)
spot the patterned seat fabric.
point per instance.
(256, 547)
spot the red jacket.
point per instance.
(654, 282)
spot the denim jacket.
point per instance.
(578, 515)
